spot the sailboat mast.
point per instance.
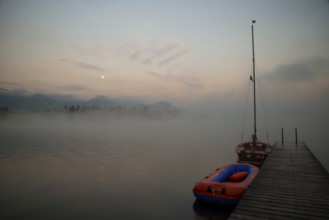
(253, 76)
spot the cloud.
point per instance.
(173, 57)
(72, 87)
(82, 65)
(301, 81)
(134, 56)
(102, 51)
(133, 51)
(15, 86)
(165, 49)
(162, 58)
(152, 51)
(300, 71)
(186, 80)
(89, 66)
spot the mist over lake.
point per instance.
(64, 167)
(91, 166)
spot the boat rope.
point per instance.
(263, 106)
(246, 110)
(215, 191)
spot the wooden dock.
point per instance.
(292, 184)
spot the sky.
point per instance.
(175, 50)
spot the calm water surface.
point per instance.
(68, 168)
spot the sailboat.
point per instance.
(254, 151)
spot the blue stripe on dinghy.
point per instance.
(227, 172)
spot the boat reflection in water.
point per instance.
(203, 210)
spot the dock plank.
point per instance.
(292, 184)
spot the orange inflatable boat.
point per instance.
(226, 185)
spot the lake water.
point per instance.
(68, 167)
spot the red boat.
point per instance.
(226, 185)
(253, 152)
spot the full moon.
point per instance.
(103, 77)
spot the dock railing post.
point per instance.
(282, 136)
(296, 137)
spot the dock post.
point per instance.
(282, 136)
(296, 137)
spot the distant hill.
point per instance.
(39, 101)
(102, 101)
(163, 105)
(27, 102)
(16, 101)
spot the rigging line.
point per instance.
(245, 111)
(263, 105)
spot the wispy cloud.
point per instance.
(88, 66)
(152, 51)
(103, 51)
(10, 85)
(186, 80)
(72, 87)
(300, 71)
(163, 59)
(82, 65)
(157, 53)
(173, 57)
(300, 80)
(134, 55)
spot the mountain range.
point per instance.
(40, 102)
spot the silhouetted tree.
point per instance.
(4, 110)
(72, 108)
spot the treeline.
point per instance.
(4, 110)
(121, 111)
(146, 111)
